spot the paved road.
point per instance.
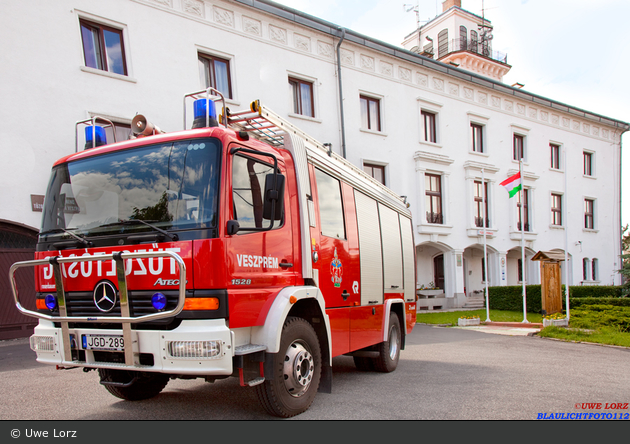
(444, 373)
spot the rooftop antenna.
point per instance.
(485, 30)
(415, 8)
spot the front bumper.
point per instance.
(196, 347)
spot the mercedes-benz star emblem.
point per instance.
(105, 296)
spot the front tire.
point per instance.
(297, 368)
(389, 351)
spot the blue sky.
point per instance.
(572, 51)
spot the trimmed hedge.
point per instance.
(511, 297)
(594, 291)
(583, 302)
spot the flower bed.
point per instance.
(468, 321)
(555, 322)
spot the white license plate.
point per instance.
(103, 342)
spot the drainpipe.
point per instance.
(343, 127)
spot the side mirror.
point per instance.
(232, 227)
(273, 207)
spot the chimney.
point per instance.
(447, 4)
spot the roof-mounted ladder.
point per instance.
(269, 127)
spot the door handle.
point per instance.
(345, 295)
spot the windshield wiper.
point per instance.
(82, 240)
(172, 236)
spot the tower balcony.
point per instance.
(474, 56)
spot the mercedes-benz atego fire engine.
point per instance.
(241, 247)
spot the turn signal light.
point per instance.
(201, 304)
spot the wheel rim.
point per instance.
(298, 369)
(393, 342)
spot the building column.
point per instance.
(502, 281)
(454, 277)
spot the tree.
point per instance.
(625, 261)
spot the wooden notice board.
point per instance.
(551, 281)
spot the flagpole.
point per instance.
(485, 253)
(566, 234)
(521, 192)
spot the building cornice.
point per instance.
(335, 31)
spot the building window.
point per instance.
(556, 209)
(370, 113)
(519, 147)
(330, 205)
(302, 92)
(427, 50)
(433, 192)
(588, 164)
(474, 38)
(585, 269)
(594, 270)
(525, 204)
(215, 72)
(123, 131)
(481, 207)
(463, 37)
(376, 171)
(555, 156)
(520, 270)
(430, 128)
(483, 269)
(442, 43)
(589, 213)
(477, 137)
(103, 47)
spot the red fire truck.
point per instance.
(241, 247)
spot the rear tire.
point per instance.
(297, 369)
(389, 351)
(142, 385)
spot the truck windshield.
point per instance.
(171, 186)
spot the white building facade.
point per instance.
(431, 131)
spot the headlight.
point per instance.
(194, 349)
(42, 343)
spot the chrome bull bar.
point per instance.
(131, 354)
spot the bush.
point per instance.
(601, 315)
(595, 291)
(511, 297)
(582, 302)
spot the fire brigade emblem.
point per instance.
(105, 296)
(336, 270)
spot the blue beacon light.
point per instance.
(159, 301)
(200, 107)
(50, 301)
(99, 132)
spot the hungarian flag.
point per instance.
(512, 184)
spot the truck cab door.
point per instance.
(260, 261)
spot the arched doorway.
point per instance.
(438, 271)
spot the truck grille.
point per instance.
(82, 303)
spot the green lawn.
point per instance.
(451, 317)
(579, 329)
(602, 335)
